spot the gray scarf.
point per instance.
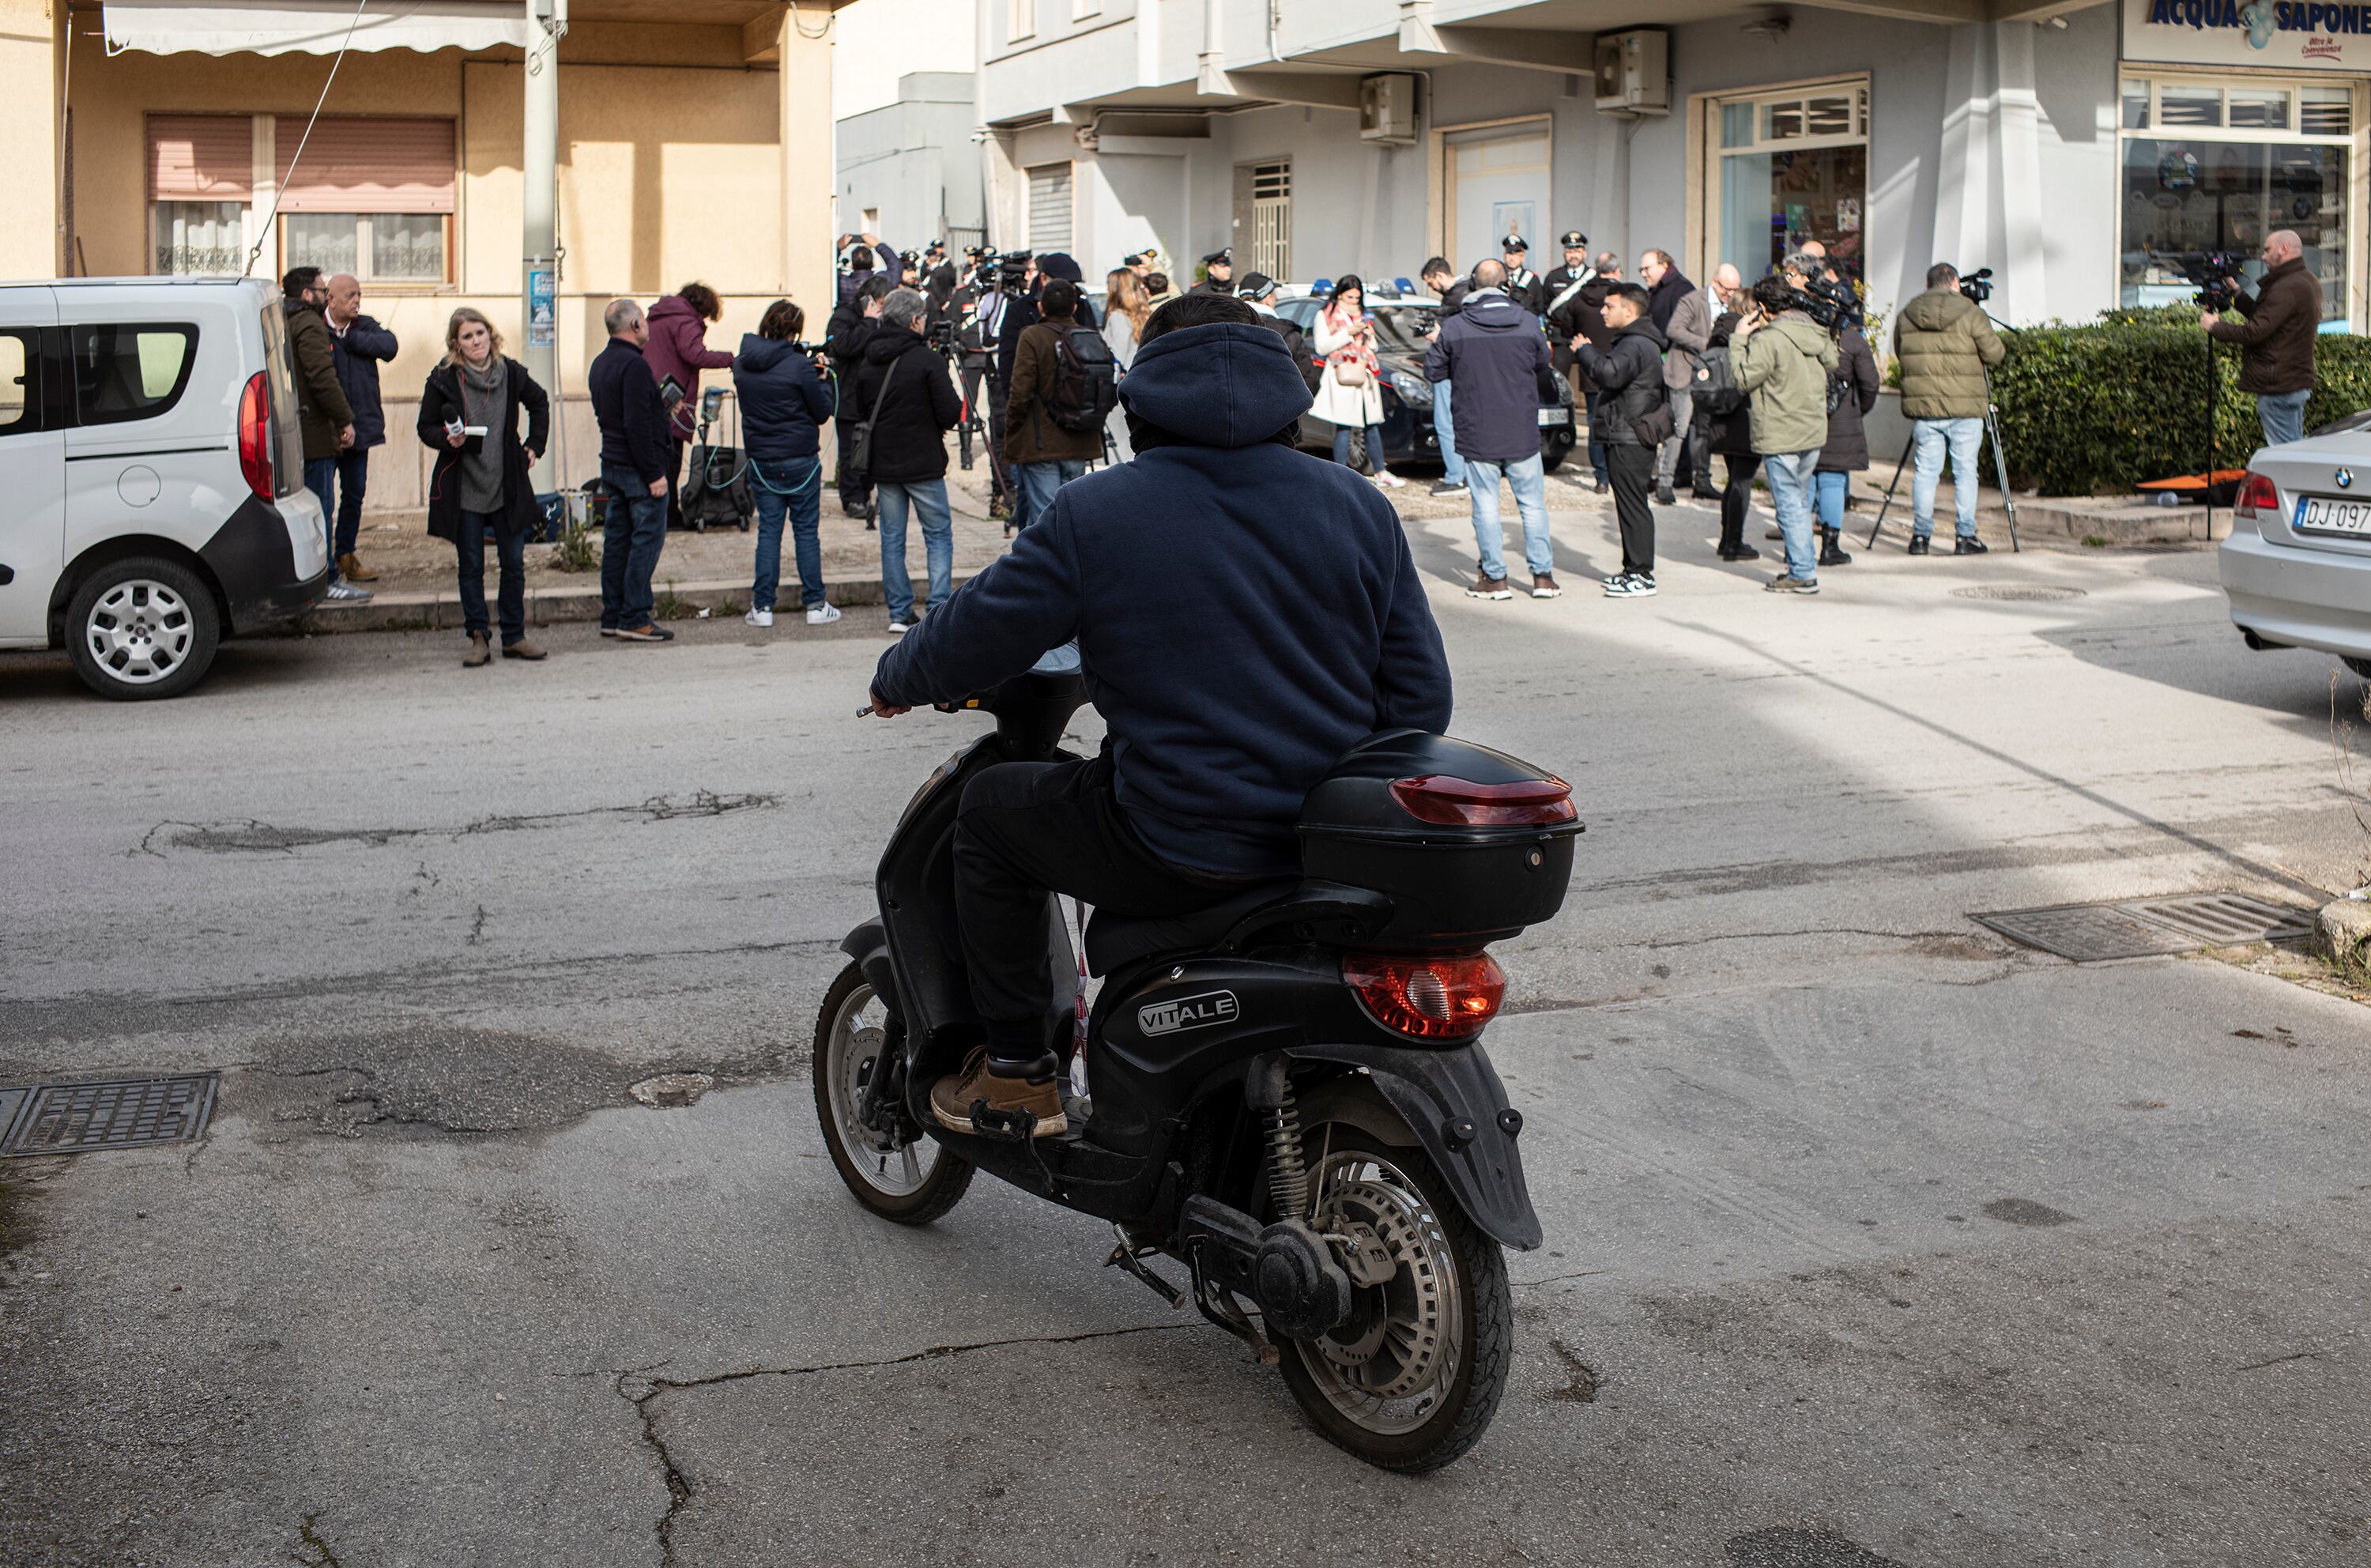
(484, 398)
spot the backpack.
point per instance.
(1086, 381)
(1716, 386)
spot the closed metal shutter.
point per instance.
(367, 165)
(1050, 208)
(201, 157)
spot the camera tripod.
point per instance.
(2000, 467)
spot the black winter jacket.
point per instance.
(626, 407)
(918, 408)
(1493, 357)
(844, 337)
(357, 353)
(1629, 377)
(1270, 620)
(1848, 448)
(782, 400)
(440, 400)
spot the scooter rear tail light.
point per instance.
(1428, 999)
(1460, 802)
(2258, 495)
(255, 436)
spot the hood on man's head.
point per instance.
(1228, 384)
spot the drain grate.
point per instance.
(76, 1118)
(2022, 592)
(2146, 928)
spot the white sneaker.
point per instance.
(344, 593)
(1389, 480)
(759, 618)
(822, 615)
(896, 628)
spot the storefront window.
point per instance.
(1793, 167)
(2214, 167)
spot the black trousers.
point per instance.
(1737, 498)
(991, 424)
(1632, 468)
(855, 488)
(1026, 829)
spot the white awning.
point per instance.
(310, 27)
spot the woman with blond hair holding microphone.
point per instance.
(482, 483)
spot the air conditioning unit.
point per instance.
(1387, 108)
(1633, 72)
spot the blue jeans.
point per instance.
(792, 491)
(1035, 484)
(928, 498)
(1828, 488)
(321, 478)
(1791, 496)
(353, 477)
(1964, 439)
(1342, 435)
(509, 548)
(1444, 430)
(1530, 483)
(631, 540)
(2282, 416)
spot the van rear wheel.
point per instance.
(142, 628)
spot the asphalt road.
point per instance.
(1872, 1240)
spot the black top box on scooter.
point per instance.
(1470, 845)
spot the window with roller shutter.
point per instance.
(1050, 208)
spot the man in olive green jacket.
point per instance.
(1782, 360)
(1944, 341)
(323, 415)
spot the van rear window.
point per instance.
(129, 372)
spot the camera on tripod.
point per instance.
(2214, 272)
(940, 335)
(1977, 286)
(1012, 274)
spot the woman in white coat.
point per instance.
(1127, 308)
(1350, 394)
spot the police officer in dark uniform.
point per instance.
(1221, 280)
(1522, 283)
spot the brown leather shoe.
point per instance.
(481, 651)
(351, 568)
(953, 1096)
(522, 649)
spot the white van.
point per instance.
(151, 476)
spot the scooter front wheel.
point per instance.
(1412, 1380)
(895, 1168)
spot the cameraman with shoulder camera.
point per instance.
(2275, 335)
(1782, 360)
(1944, 341)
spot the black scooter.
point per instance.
(1284, 1093)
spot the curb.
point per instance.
(441, 610)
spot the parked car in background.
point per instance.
(2297, 567)
(1402, 327)
(152, 480)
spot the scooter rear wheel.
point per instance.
(1412, 1380)
(901, 1174)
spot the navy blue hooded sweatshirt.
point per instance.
(1492, 353)
(1246, 613)
(782, 399)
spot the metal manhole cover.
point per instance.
(76, 1118)
(2029, 591)
(2145, 927)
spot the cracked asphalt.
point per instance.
(1873, 1240)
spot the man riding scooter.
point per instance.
(1245, 615)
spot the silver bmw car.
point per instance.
(2298, 565)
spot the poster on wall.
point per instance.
(2289, 35)
(1512, 218)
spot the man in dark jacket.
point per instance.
(2275, 335)
(323, 415)
(361, 344)
(1852, 393)
(783, 405)
(635, 456)
(1273, 621)
(1492, 354)
(1630, 397)
(846, 336)
(1944, 341)
(1683, 315)
(1583, 317)
(1044, 455)
(904, 389)
(1522, 284)
(1259, 291)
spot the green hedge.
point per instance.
(2088, 410)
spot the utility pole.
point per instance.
(547, 24)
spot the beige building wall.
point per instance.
(29, 57)
(680, 158)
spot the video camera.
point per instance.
(941, 334)
(1833, 303)
(1012, 274)
(1977, 286)
(2212, 270)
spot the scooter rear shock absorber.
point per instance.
(1288, 1173)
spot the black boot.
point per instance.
(1832, 553)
